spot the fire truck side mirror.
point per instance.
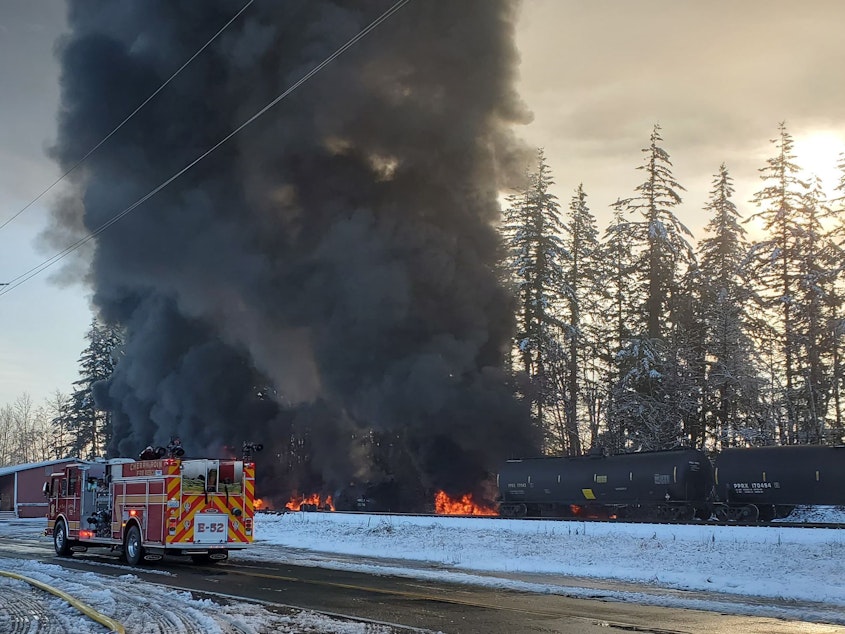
(46, 489)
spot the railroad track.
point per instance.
(579, 519)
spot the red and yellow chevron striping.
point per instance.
(193, 504)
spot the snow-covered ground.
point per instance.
(772, 571)
(143, 607)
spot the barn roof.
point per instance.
(33, 465)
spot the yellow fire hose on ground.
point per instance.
(86, 609)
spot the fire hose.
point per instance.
(87, 610)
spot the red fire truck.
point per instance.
(146, 508)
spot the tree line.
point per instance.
(628, 337)
(65, 425)
(631, 338)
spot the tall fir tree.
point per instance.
(730, 390)
(622, 293)
(658, 234)
(651, 395)
(836, 307)
(532, 229)
(817, 268)
(90, 427)
(585, 285)
(774, 263)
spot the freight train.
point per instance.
(740, 484)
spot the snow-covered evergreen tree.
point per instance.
(650, 399)
(774, 264)
(583, 311)
(89, 427)
(836, 307)
(532, 230)
(623, 291)
(659, 238)
(730, 390)
(818, 262)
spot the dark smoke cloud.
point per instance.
(338, 257)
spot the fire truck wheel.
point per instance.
(133, 550)
(60, 540)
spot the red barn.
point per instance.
(21, 493)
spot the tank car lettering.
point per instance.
(747, 489)
(761, 485)
(662, 478)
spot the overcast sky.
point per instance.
(717, 76)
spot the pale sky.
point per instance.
(717, 76)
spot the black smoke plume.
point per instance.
(326, 282)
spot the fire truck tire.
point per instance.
(61, 542)
(133, 549)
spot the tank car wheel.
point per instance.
(512, 510)
(133, 549)
(749, 513)
(767, 513)
(782, 511)
(703, 514)
(722, 513)
(683, 513)
(61, 542)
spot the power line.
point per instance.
(133, 113)
(36, 270)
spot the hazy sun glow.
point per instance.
(817, 153)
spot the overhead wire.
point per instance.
(132, 114)
(36, 270)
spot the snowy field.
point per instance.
(771, 571)
(768, 571)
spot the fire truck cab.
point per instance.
(201, 508)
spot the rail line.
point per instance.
(831, 525)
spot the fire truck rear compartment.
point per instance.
(146, 509)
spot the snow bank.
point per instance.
(783, 563)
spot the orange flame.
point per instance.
(258, 504)
(590, 513)
(315, 499)
(445, 505)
